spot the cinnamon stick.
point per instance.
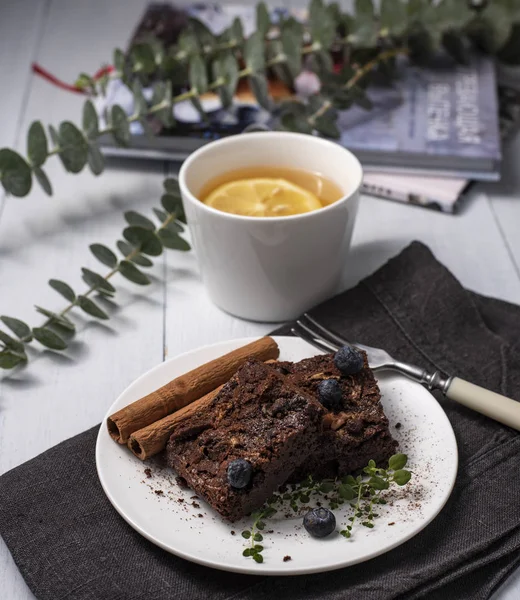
(186, 389)
(152, 439)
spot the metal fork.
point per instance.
(493, 405)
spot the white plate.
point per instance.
(170, 521)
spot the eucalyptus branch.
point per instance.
(142, 239)
(369, 41)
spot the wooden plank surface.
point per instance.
(41, 237)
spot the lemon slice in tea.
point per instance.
(262, 197)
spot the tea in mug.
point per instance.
(270, 192)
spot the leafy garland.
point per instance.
(142, 239)
(366, 44)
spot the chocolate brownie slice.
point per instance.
(258, 416)
(355, 432)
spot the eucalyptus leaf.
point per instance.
(172, 240)
(360, 97)
(204, 35)
(15, 173)
(56, 319)
(103, 83)
(226, 66)
(37, 147)
(119, 60)
(140, 104)
(364, 8)
(291, 43)
(132, 273)
(146, 240)
(195, 100)
(327, 126)
(342, 100)
(49, 338)
(509, 53)
(127, 249)
(9, 359)
(254, 52)
(323, 28)
(43, 180)
(95, 159)
(238, 30)
(120, 126)
(104, 255)
(147, 128)
(263, 20)
(456, 46)
(172, 225)
(91, 308)
(11, 343)
(19, 328)
(95, 280)
(171, 185)
(63, 288)
(197, 74)
(134, 218)
(143, 58)
(173, 204)
(491, 30)
(73, 147)
(393, 16)
(188, 42)
(293, 122)
(55, 137)
(258, 84)
(420, 44)
(161, 215)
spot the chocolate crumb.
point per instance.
(200, 516)
(233, 532)
(286, 558)
(270, 531)
(194, 497)
(159, 492)
(148, 473)
(195, 505)
(392, 523)
(180, 500)
(398, 425)
(181, 482)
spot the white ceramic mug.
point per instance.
(271, 268)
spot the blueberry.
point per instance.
(329, 394)
(348, 360)
(239, 473)
(319, 522)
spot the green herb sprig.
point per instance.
(368, 42)
(142, 239)
(253, 533)
(361, 493)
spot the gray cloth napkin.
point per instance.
(69, 542)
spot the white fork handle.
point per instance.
(497, 407)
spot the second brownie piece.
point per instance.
(257, 417)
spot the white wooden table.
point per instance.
(59, 396)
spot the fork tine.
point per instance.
(316, 335)
(311, 340)
(324, 333)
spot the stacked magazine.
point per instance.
(423, 142)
